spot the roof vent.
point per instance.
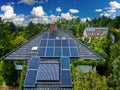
(34, 49)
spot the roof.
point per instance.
(95, 32)
(48, 66)
(24, 51)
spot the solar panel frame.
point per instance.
(66, 78)
(65, 63)
(34, 62)
(30, 79)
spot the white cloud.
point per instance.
(85, 19)
(58, 9)
(111, 11)
(31, 2)
(106, 14)
(38, 11)
(67, 16)
(114, 4)
(73, 11)
(9, 15)
(98, 10)
(8, 12)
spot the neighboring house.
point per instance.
(94, 32)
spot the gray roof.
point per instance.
(23, 52)
(95, 28)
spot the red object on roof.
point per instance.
(51, 27)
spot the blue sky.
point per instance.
(45, 11)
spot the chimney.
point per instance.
(51, 27)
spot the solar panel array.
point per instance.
(66, 80)
(48, 72)
(51, 47)
(32, 72)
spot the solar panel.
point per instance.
(34, 61)
(50, 43)
(74, 52)
(41, 52)
(49, 52)
(57, 43)
(66, 52)
(30, 78)
(66, 80)
(51, 36)
(65, 63)
(45, 36)
(65, 43)
(43, 43)
(57, 52)
(48, 72)
(72, 42)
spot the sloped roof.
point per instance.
(23, 52)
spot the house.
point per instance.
(48, 56)
(94, 32)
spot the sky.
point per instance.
(21, 12)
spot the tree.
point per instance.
(9, 73)
(116, 22)
(114, 78)
(88, 80)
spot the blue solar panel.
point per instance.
(50, 43)
(41, 52)
(30, 78)
(48, 72)
(49, 52)
(65, 43)
(66, 80)
(34, 62)
(66, 52)
(51, 36)
(57, 52)
(72, 42)
(57, 43)
(65, 63)
(43, 43)
(74, 52)
(45, 36)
